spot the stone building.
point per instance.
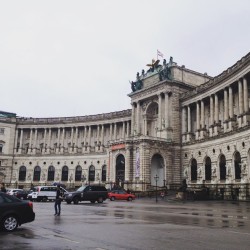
(182, 125)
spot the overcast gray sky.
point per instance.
(73, 58)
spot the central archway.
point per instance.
(120, 169)
(157, 168)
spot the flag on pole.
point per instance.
(159, 54)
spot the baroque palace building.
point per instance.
(182, 125)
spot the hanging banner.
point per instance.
(137, 163)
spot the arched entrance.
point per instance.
(157, 168)
(208, 169)
(222, 167)
(193, 170)
(237, 166)
(120, 169)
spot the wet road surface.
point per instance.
(141, 224)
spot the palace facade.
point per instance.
(182, 125)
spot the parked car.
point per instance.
(21, 194)
(120, 195)
(90, 193)
(13, 190)
(45, 193)
(14, 212)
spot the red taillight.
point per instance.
(30, 204)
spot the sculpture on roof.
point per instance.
(154, 65)
(165, 73)
(138, 84)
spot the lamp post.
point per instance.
(156, 179)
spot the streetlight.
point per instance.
(156, 179)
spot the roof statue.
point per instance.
(138, 84)
(153, 65)
(164, 72)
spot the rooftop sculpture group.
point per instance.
(164, 72)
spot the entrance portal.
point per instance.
(157, 168)
(120, 170)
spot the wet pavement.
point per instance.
(141, 224)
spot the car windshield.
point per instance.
(80, 189)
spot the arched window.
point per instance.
(78, 173)
(208, 169)
(237, 166)
(37, 173)
(222, 167)
(91, 173)
(51, 173)
(22, 173)
(65, 173)
(1, 148)
(104, 173)
(194, 170)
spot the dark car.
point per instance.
(14, 212)
(90, 193)
(21, 194)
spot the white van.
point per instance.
(45, 193)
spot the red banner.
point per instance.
(118, 146)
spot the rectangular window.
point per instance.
(1, 131)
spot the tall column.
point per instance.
(128, 128)
(216, 108)
(21, 141)
(102, 135)
(44, 137)
(189, 119)
(159, 112)
(63, 135)
(225, 105)
(123, 130)
(240, 97)
(76, 137)
(16, 139)
(133, 119)
(58, 136)
(211, 110)
(184, 126)
(49, 139)
(71, 137)
(231, 108)
(89, 138)
(166, 110)
(30, 142)
(197, 116)
(35, 139)
(245, 90)
(115, 131)
(85, 135)
(145, 126)
(138, 117)
(202, 115)
(110, 131)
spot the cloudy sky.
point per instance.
(74, 58)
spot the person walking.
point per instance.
(58, 201)
(3, 189)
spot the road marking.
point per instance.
(66, 239)
(238, 232)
